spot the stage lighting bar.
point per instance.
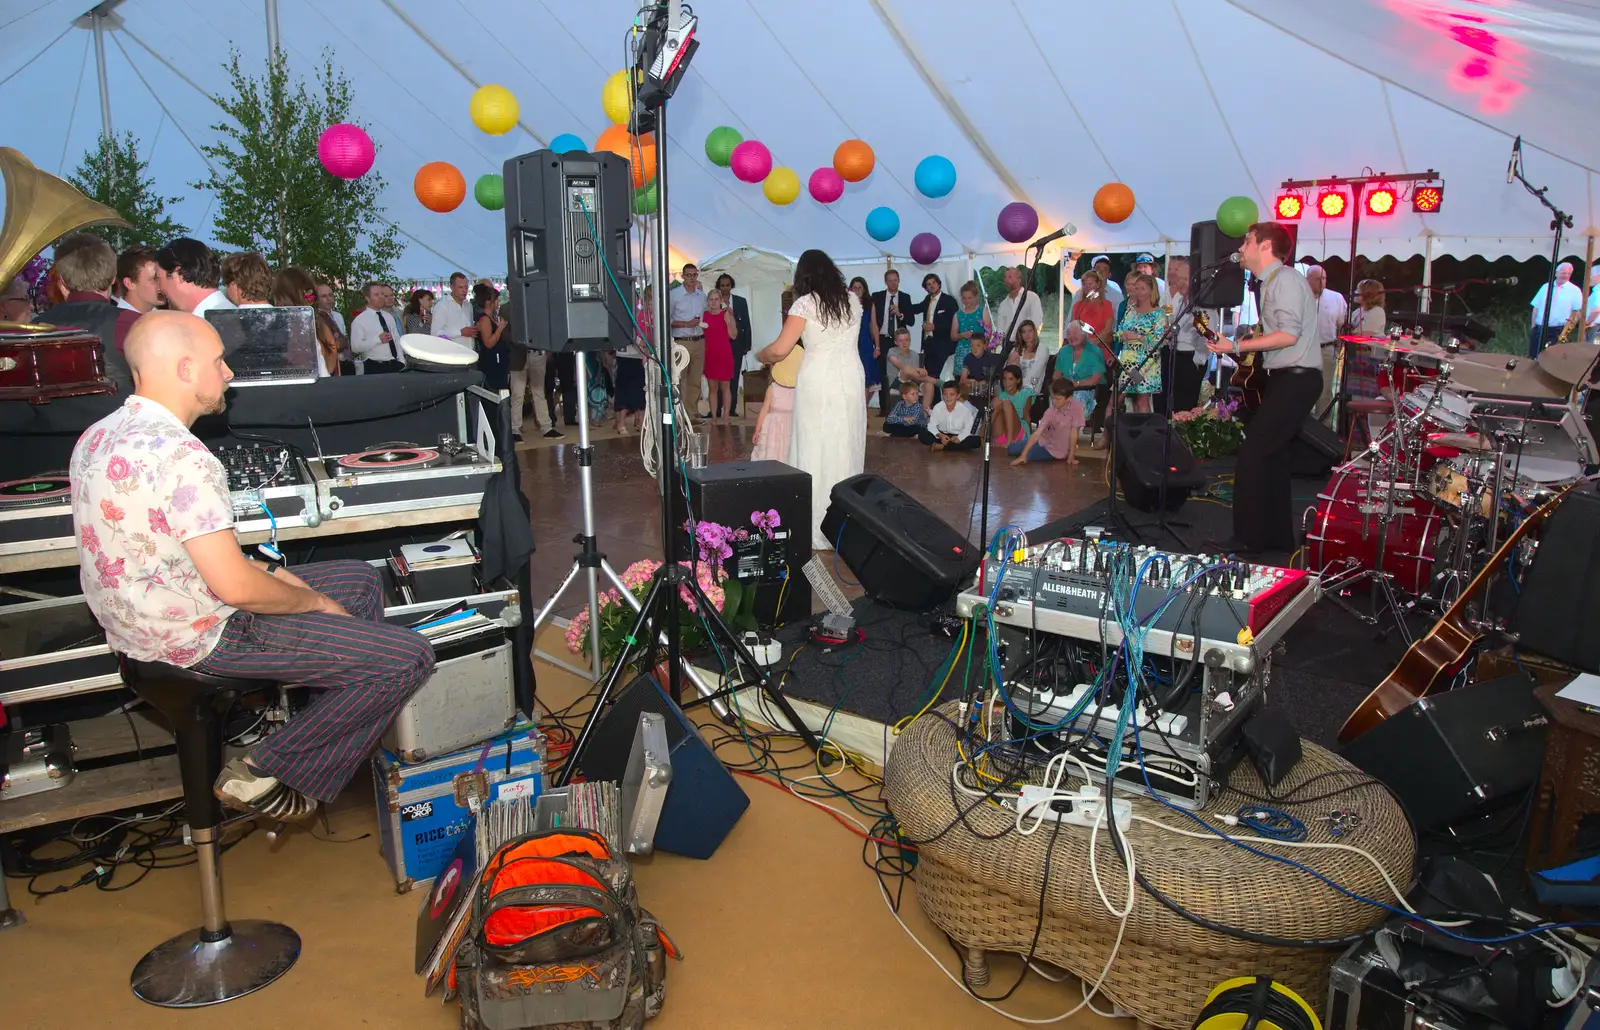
(1381, 201)
(1425, 200)
(1289, 207)
(1332, 203)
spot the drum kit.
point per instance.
(1463, 446)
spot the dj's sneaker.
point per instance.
(241, 787)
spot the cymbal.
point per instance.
(1464, 442)
(1568, 362)
(1504, 375)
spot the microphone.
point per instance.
(1231, 259)
(1509, 280)
(1511, 165)
(1066, 230)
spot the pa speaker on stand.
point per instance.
(1223, 286)
(567, 218)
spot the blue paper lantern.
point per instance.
(883, 224)
(936, 176)
(567, 142)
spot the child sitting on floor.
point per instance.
(1057, 435)
(909, 417)
(1010, 414)
(950, 425)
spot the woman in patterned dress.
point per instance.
(1139, 333)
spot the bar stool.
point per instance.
(218, 961)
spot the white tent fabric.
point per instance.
(1205, 99)
(760, 277)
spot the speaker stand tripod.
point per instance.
(660, 618)
(590, 562)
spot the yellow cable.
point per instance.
(900, 726)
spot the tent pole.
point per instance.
(99, 19)
(1425, 302)
(272, 26)
(1061, 305)
(1588, 277)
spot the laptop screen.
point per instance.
(267, 344)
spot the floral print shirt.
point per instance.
(142, 484)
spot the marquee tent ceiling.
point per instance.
(1187, 101)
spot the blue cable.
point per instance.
(1139, 749)
(837, 539)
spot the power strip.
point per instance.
(1083, 809)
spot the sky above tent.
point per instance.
(1210, 99)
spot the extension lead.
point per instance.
(1086, 808)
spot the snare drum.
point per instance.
(1344, 531)
(61, 363)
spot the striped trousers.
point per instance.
(361, 671)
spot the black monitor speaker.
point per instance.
(1214, 281)
(904, 555)
(567, 260)
(1143, 443)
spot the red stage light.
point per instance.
(1425, 200)
(1331, 203)
(1289, 206)
(1381, 201)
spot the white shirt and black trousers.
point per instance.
(1568, 298)
(685, 307)
(1262, 520)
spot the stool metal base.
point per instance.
(186, 972)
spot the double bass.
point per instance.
(1430, 662)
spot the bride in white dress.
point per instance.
(829, 438)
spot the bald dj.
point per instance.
(162, 570)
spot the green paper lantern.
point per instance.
(490, 191)
(1236, 215)
(720, 143)
(646, 201)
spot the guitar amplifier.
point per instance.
(1448, 754)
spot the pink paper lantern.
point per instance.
(346, 151)
(751, 161)
(925, 248)
(1017, 222)
(826, 185)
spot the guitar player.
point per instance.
(1262, 520)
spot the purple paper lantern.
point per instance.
(826, 185)
(751, 161)
(1017, 222)
(925, 248)
(346, 151)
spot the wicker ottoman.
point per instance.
(985, 893)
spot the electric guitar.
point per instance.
(1430, 662)
(1249, 374)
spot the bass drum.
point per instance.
(1341, 536)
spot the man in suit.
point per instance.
(891, 309)
(937, 310)
(741, 346)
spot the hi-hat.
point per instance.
(1569, 362)
(1503, 375)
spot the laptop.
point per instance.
(268, 346)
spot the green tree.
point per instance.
(113, 174)
(273, 194)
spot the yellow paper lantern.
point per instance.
(494, 109)
(781, 186)
(614, 98)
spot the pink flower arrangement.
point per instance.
(616, 615)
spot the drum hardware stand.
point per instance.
(1559, 220)
(659, 618)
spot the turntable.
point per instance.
(398, 475)
(49, 488)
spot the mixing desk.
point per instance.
(270, 479)
(1076, 575)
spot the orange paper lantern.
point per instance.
(641, 153)
(644, 163)
(614, 140)
(853, 160)
(440, 186)
(1113, 202)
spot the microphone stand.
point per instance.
(987, 429)
(1169, 344)
(1559, 219)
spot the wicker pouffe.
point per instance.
(985, 893)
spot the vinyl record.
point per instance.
(392, 456)
(35, 489)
